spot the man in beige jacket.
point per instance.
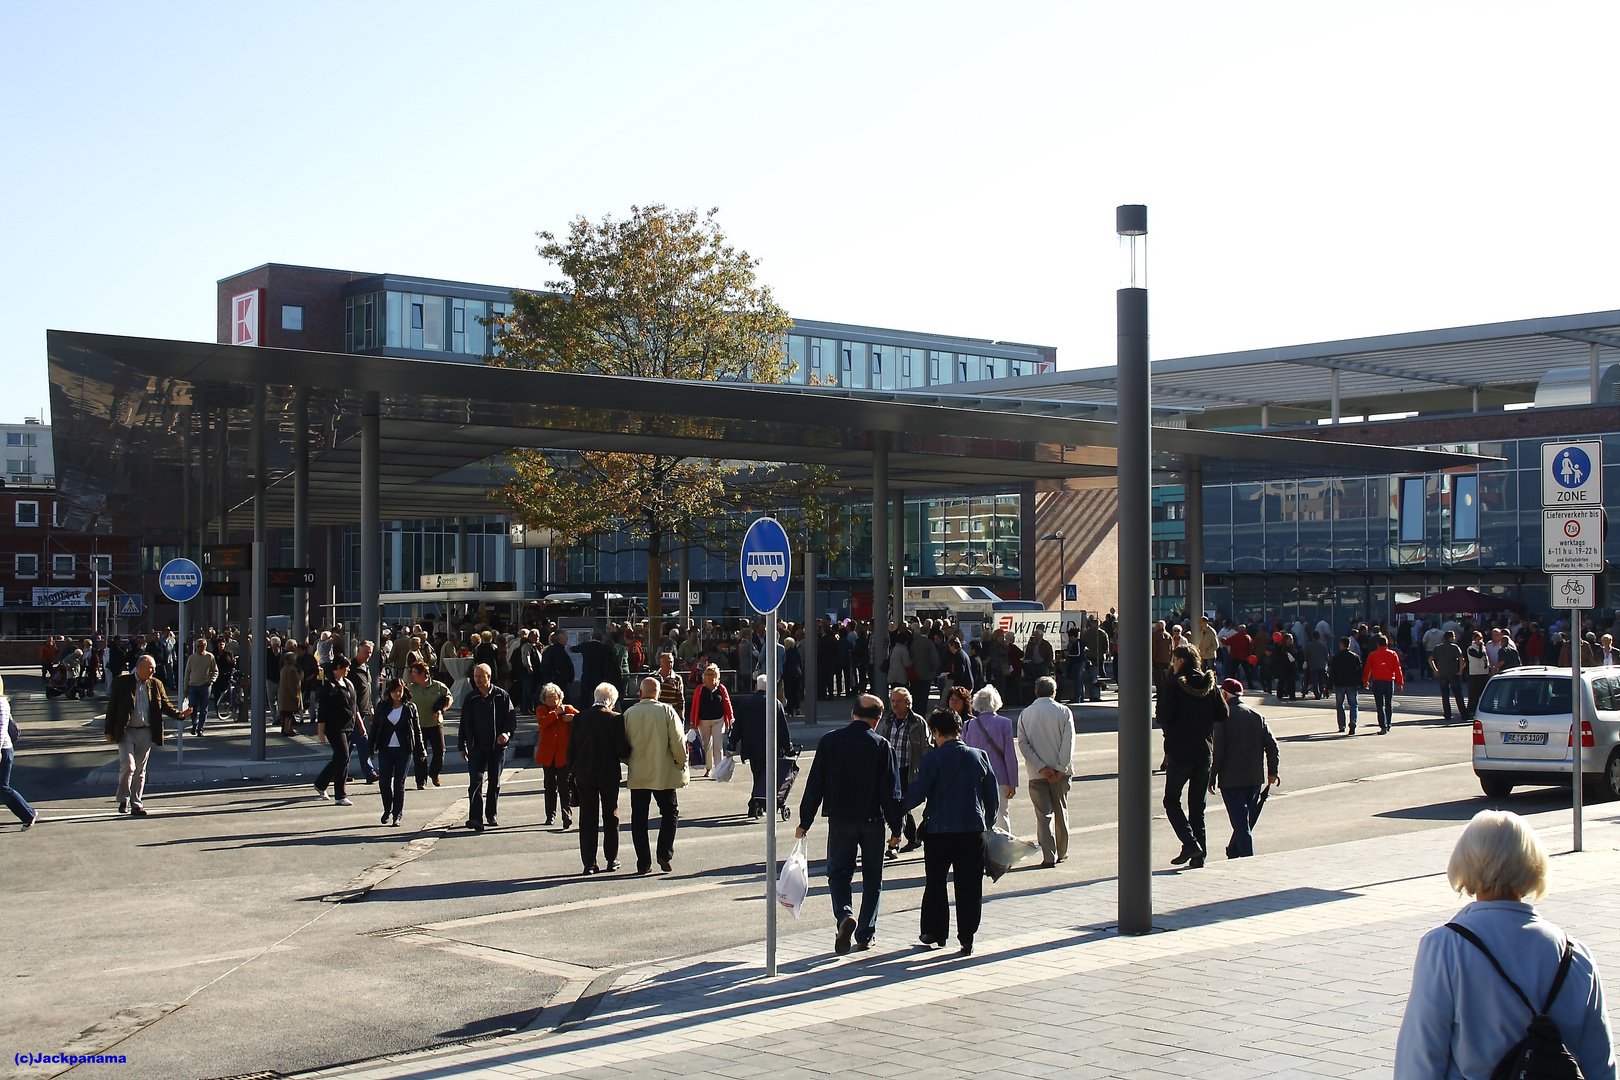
(657, 768)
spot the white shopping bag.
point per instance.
(726, 769)
(794, 881)
(1002, 852)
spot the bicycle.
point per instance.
(232, 701)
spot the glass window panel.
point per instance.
(941, 367)
(394, 310)
(1508, 450)
(433, 323)
(797, 348)
(1350, 512)
(852, 365)
(1464, 508)
(1412, 510)
(1315, 521)
(1248, 530)
(1282, 531)
(885, 367)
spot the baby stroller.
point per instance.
(68, 679)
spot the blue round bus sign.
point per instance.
(180, 580)
(767, 565)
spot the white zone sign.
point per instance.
(1572, 541)
(1572, 474)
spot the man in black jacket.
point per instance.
(747, 741)
(556, 666)
(487, 722)
(855, 783)
(1188, 708)
(596, 745)
(336, 719)
(595, 658)
(1344, 672)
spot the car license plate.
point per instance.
(1533, 738)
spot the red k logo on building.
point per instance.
(245, 318)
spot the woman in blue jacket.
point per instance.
(956, 782)
(1463, 1013)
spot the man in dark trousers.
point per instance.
(487, 722)
(747, 740)
(856, 785)
(1245, 760)
(1189, 705)
(336, 718)
(596, 746)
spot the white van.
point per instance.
(1522, 730)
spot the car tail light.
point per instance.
(1586, 735)
(1479, 733)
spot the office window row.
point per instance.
(832, 362)
(399, 320)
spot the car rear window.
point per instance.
(1526, 697)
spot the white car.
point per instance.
(1522, 731)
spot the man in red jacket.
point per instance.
(1382, 674)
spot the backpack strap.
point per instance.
(1563, 973)
(1563, 969)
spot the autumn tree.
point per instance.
(659, 294)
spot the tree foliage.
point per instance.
(659, 294)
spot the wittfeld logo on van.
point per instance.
(245, 318)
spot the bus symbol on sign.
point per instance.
(771, 564)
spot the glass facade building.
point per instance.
(1350, 548)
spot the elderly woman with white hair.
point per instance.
(993, 733)
(1480, 979)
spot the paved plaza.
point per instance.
(207, 941)
(1294, 964)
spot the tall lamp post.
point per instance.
(1134, 453)
(1063, 572)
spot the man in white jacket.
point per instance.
(1046, 739)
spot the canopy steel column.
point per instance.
(300, 611)
(203, 515)
(1194, 518)
(879, 643)
(1596, 378)
(371, 525)
(811, 638)
(461, 545)
(898, 545)
(261, 581)
(683, 582)
(1333, 377)
(185, 507)
(1135, 450)
(222, 478)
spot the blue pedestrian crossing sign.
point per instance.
(766, 565)
(1071, 594)
(180, 580)
(129, 606)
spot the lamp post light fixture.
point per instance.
(1134, 452)
(1063, 573)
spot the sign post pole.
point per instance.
(181, 581)
(767, 563)
(1572, 540)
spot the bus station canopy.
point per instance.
(129, 412)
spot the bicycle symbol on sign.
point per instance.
(1572, 589)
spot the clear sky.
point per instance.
(1312, 170)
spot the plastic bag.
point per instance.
(725, 769)
(794, 882)
(1003, 851)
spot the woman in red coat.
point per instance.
(551, 752)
